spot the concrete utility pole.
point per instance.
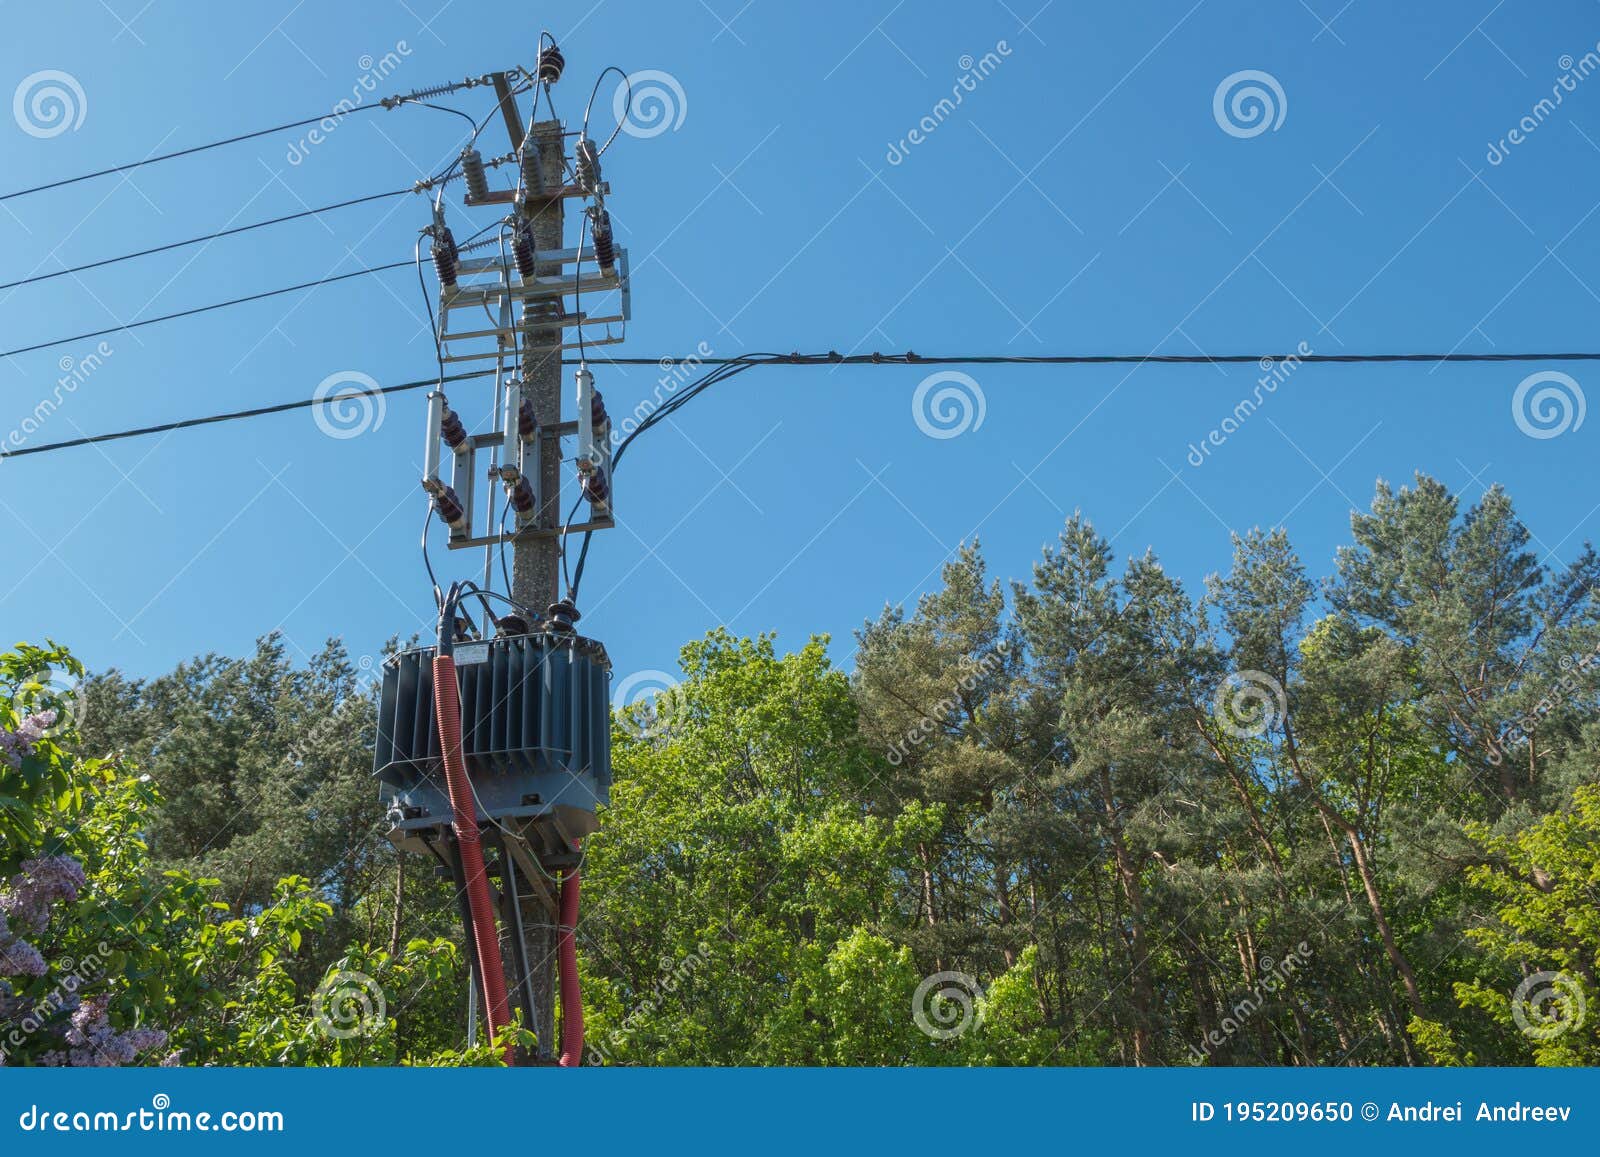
(523, 292)
(536, 574)
(536, 561)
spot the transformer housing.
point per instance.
(535, 737)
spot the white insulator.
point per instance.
(587, 165)
(528, 158)
(472, 170)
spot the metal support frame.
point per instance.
(487, 286)
(466, 474)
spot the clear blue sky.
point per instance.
(1082, 198)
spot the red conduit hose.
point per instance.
(567, 965)
(447, 710)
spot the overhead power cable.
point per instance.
(388, 102)
(690, 390)
(257, 412)
(916, 359)
(464, 248)
(208, 237)
(44, 345)
(189, 151)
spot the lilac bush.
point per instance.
(14, 745)
(79, 1026)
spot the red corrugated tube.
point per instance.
(567, 965)
(447, 710)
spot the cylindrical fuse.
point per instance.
(430, 447)
(586, 455)
(510, 432)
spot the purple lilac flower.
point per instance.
(16, 744)
(19, 958)
(41, 883)
(95, 1044)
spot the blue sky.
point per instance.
(1083, 197)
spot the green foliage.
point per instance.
(1545, 937)
(35, 791)
(171, 962)
(1086, 819)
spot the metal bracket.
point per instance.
(487, 285)
(466, 475)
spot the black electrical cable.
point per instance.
(470, 587)
(440, 108)
(727, 369)
(438, 598)
(626, 111)
(44, 345)
(336, 114)
(565, 527)
(257, 412)
(807, 360)
(427, 300)
(208, 237)
(915, 359)
(505, 571)
(577, 282)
